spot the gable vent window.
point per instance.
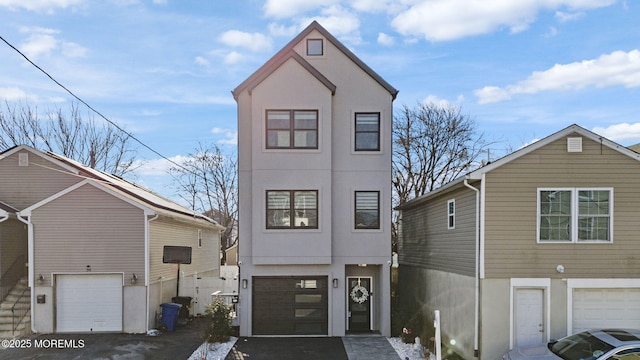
(574, 144)
(315, 47)
(23, 159)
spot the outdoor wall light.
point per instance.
(335, 282)
(245, 283)
(560, 269)
(40, 278)
(134, 278)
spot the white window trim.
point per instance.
(574, 215)
(451, 215)
(199, 239)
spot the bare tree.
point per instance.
(100, 146)
(207, 181)
(432, 145)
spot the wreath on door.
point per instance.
(359, 294)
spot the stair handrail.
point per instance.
(11, 277)
(24, 309)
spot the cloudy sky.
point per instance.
(164, 69)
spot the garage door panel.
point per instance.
(290, 306)
(606, 308)
(89, 303)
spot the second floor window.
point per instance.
(292, 209)
(367, 210)
(575, 215)
(292, 129)
(451, 214)
(367, 132)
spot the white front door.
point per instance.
(529, 312)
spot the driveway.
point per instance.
(179, 344)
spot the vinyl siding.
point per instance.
(88, 227)
(22, 186)
(511, 249)
(168, 231)
(426, 241)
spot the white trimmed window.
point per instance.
(199, 238)
(575, 215)
(451, 214)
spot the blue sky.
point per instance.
(164, 69)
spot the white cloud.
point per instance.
(432, 99)
(201, 61)
(339, 21)
(620, 132)
(43, 42)
(616, 69)
(384, 39)
(281, 30)
(290, 8)
(39, 5)
(233, 57)
(442, 20)
(156, 167)
(566, 17)
(12, 94)
(230, 137)
(251, 41)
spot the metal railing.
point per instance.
(19, 310)
(11, 277)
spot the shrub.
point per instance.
(218, 329)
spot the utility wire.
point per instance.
(91, 108)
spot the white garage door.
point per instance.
(89, 303)
(606, 308)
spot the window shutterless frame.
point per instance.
(367, 131)
(575, 215)
(291, 209)
(367, 210)
(315, 47)
(291, 129)
(451, 214)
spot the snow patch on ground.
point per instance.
(408, 351)
(213, 351)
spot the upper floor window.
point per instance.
(367, 132)
(367, 210)
(292, 129)
(575, 215)
(292, 209)
(315, 47)
(451, 214)
(199, 238)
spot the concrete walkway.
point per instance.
(368, 347)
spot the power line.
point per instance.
(91, 108)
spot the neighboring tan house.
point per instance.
(539, 244)
(94, 244)
(314, 134)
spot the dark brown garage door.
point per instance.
(290, 305)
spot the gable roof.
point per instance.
(287, 53)
(132, 191)
(478, 173)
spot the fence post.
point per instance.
(438, 341)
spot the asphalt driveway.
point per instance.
(179, 344)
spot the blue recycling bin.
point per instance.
(170, 313)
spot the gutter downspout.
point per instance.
(146, 259)
(477, 277)
(31, 264)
